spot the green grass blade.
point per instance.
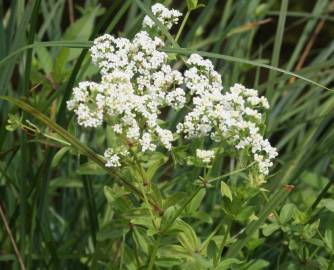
(49, 18)
(64, 44)
(201, 21)
(2, 33)
(307, 15)
(92, 212)
(291, 168)
(184, 51)
(31, 37)
(278, 43)
(319, 8)
(83, 149)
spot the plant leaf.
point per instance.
(192, 4)
(225, 190)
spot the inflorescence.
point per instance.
(138, 82)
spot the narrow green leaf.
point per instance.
(66, 44)
(58, 156)
(329, 204)
(226, 264)
(65, 182)
(192, 4)
(90, 168)
(287, 212)
(187, 236)
(269, 229)
(258, 265)
(196, 201)
(184, 51)
(278, 41)
(225, 190)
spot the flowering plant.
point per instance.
(141, 89)
(139, 83)
(148, 148)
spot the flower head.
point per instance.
(168, 17)
(233, 118)
(206, 156)
(139, 83)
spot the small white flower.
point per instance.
(86, 104)
(176, 98)
(165, 137)
(118, 128)
(112, 159)
(146, 143)
(206, 156)
(167, 17)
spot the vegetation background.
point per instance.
(52, 201)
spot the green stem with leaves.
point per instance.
(221, 249)
(179, 212)
(154, 253)
(141, 172)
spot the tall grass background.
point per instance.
(51, 208)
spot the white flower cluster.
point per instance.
(232, 118)
(87, 103)
(113, 157)
(138, 83)
(167, 17)
(206, 156)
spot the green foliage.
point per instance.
(66, 210)
(192, 4)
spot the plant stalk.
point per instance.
(182, 26)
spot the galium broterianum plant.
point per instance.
(139, 84)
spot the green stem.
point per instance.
(142, 187)
(55, 139)
(331, 263)
(148, 205)
(230, 173)
(154, 253)
(276, 199)
(321, 195)
(206, 242)
(122, 252)
(314, 252)
(36, 131)
(182, 25)
(228, 228)
(181, 210)
(275, 212)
